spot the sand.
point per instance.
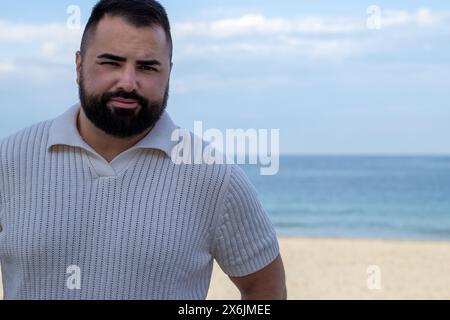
(344, 269)
(356, 269)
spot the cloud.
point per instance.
(37, 50)
(48, 48)
(6, 67)
(425, 16)
(258, 35)
(258, 24)
(16, 32)
(422, 17)
(281, 46)
(330, 38)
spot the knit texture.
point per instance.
(151, 232)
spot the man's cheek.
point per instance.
(100, 80)
(155, 90)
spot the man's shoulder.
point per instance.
(233, 179)
(240, 182)
(193, 151)
(34, 136)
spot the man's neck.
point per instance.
(105, 145)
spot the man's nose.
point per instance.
(127, 81)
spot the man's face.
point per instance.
(124, 76)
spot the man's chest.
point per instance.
(69, 222)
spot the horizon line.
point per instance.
(369, 154)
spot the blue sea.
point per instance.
(375, 197)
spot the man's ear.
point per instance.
(171, 67)
(78, 62)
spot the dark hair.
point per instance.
(139, 13)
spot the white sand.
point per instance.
(338, 269)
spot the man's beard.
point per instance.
(121, 123)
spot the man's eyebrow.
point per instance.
(149, 63)
(110, 56)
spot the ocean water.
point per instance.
(358, 196)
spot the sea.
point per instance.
(369, 197)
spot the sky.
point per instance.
(333, 77)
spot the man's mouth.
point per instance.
(122, 103)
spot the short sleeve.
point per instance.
(245, 239)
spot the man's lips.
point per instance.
(124, 103)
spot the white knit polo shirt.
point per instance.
(140, 227)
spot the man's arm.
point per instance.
(266, 284)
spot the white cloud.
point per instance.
(315, 37)
(15, 32)
(258, 35)
(258, 24)
(396, 18)
(48, 48)
(422, 17)
(425, 17)
(298, 47)
(37, 50)
(6, 67)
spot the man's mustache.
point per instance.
(133, 95)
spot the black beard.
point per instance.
(121, 123)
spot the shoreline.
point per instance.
(287, 237)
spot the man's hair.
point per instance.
(139, 13)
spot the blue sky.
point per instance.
(309, 68)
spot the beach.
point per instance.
(319, 268)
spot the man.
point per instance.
(92, 205)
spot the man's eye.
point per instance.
(115, 64)
(147, 68)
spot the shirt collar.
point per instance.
(64, 131)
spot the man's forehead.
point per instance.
(117, 35)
